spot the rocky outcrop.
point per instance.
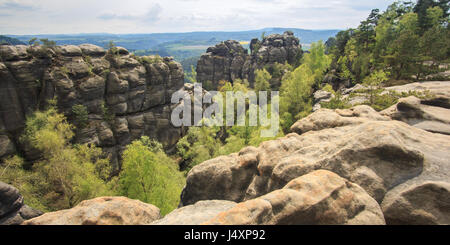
(318, 198)
(12, 209)
(431, 112)
(391, 160)
(421, 114)
(229, 61)
(223, 62)
(102, 211)
(126, 97)
(321, 96)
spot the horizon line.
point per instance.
(156, 33)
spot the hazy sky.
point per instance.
(150, 16)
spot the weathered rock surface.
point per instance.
(421, 114)
(223, 62)
(321, 96)
(440, 89)
(136, 94)
(195, 214)
(12, 209)
(6, 146)
(318, 198)
(358, 144)
(229, 61)
(427, 203)
(102, 211)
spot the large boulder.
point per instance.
(318, 198)
(426, 203)
(195, 214)
(12, 209)
(102, 211)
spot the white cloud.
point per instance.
(146, 16)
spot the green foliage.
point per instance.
(317, 61)
(409, 40)
(208, 85)
(374, 82)
(65, 174)
(33, 41)
(107, 114)
(336, 102)
(192, 76)
(64, 70)
(80, 114)
(297, 86)
(199, 145)
(150, 176)
(112, 48)
(203, 143)
(150, 59)
(48, 43)
(262, 78)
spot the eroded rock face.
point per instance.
(318, 198)
(102, 211)
(358, 144)
(135, 95)
(12, 209)
(229, 61)
(223, 62)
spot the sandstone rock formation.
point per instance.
(135, 91)
(317, 198)
(102, 211)
(12, 209)
(321, 96)
(381, 155)
(195, 214)
(230, 61)
(223, 62)
(421, 114)
(426, 203)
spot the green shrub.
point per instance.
(107, 114)
(81, 116)
(150, 176)
(65, 174)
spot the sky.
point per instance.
(150, 16)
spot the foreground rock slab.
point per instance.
(102, 211)
(371, 150)
(421, 204)
(318, 198)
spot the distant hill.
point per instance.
(150, 41)
(10, 40)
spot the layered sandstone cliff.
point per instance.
(125, 96)
(228, 61)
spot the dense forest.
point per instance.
(405, 43)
